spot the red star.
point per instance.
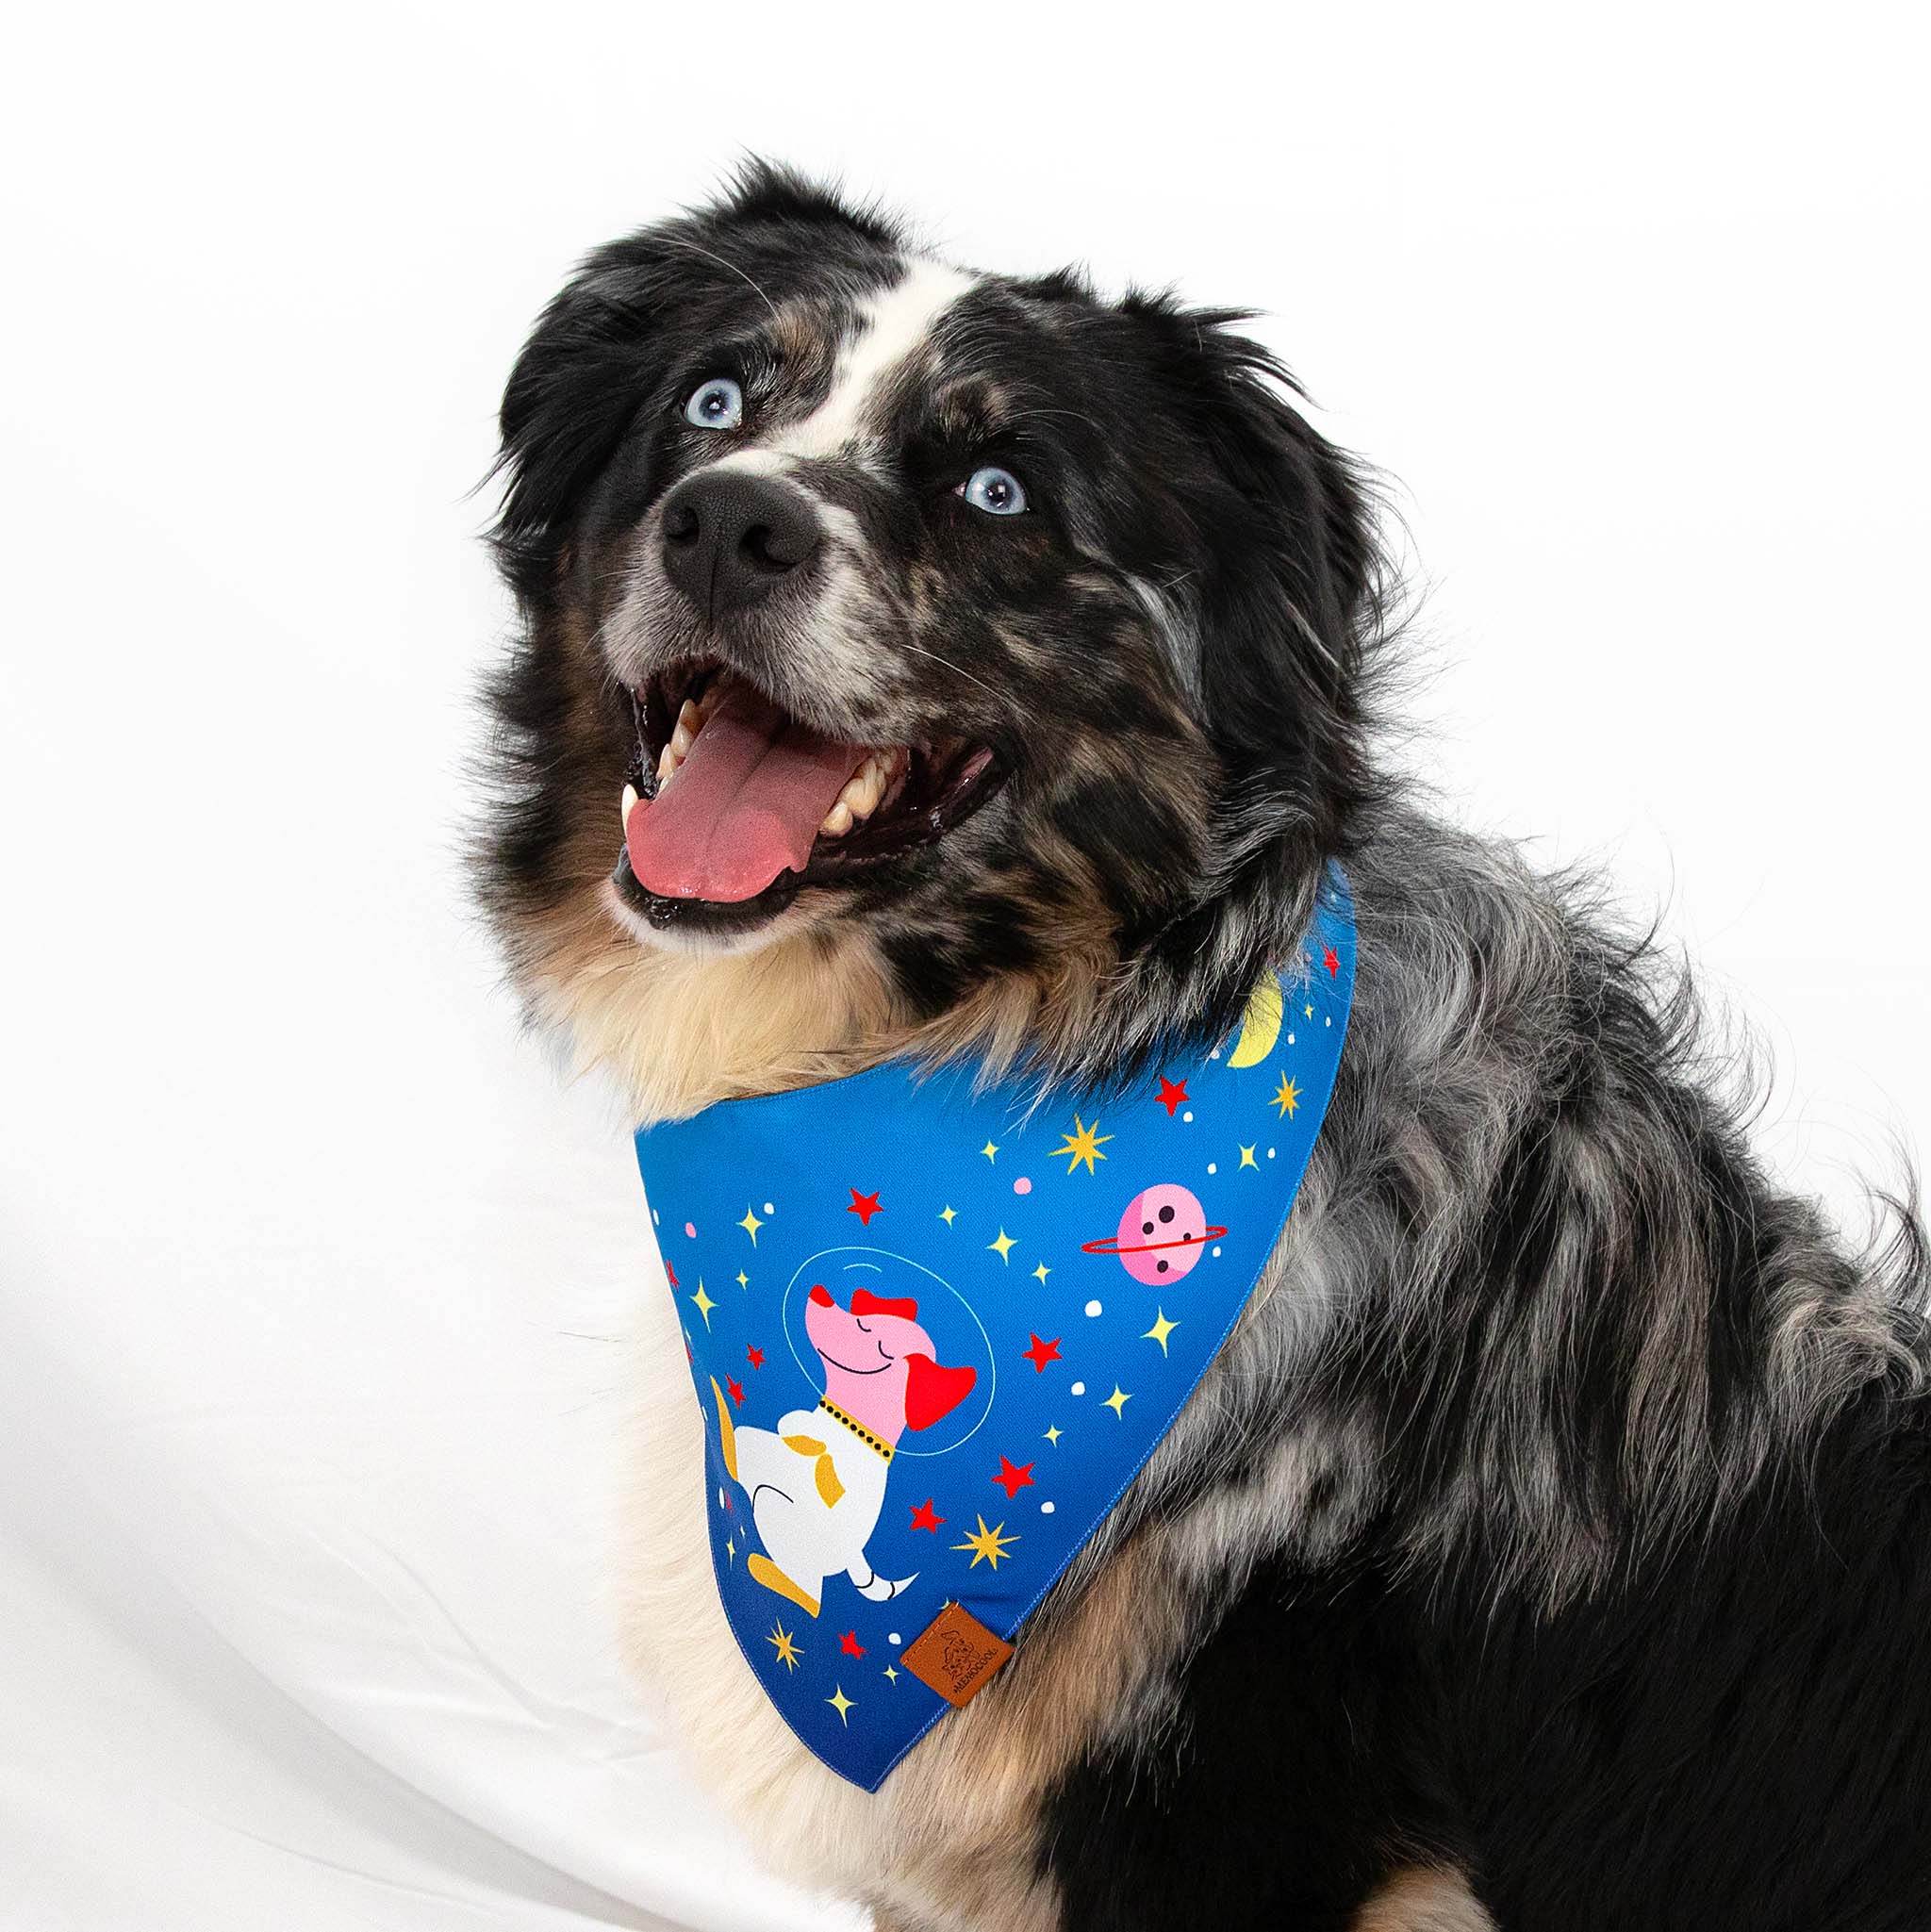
(864, 1206)
(671, 1272)
(736, 1389)
(922, 1517)
(1332, 960)
(1171, 1095)
(1040, 1353)
(755, 1357)
(1012, 1479)
(848, 1644)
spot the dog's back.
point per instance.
(1610, 1586)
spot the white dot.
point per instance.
(1046, 1508)
(770, 1209)
(1188, 1115)
(894, 1638)
(1215, 1055)
(1216, 1254)
(1079, 1388)
(1093, 1308)
(658, 1219)
(721, 1498)
(1270, 1153)
(1327, 1022)
(1290, 1039)
(1214, 1166)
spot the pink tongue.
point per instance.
(745, 804)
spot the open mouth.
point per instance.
(732, 801)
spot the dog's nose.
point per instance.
(730, 539)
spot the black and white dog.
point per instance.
(1551, 1546)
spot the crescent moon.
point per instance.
(1259, 1025)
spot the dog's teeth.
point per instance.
(668, 759)
(629, 799)
(838, 821)
(690, 720)
(864, 788)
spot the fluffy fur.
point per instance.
(1550, 1547)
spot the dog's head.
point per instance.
(888, 1363)
(1000, 640)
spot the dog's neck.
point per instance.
(876, 1402)
(682, 1030)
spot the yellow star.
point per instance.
(989, 1150)
(987, 1543)
(751, 1224)
(743, 1280)
(730, 1551)
(779, 1640)
(1118, 1399)
(949, 1214)
(1289, 1095)
(1247, 1158)
(1309, 1011)
(841, 1703)
(1052, 1435)
(1003, 1246)
(1161, 1330)
(1083, 1144)
(703, 1304)
(1040, 1273)
(891, 1674)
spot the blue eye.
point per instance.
(716, 404)
(998, 492)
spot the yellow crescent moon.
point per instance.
(1259, 1025)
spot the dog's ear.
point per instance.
(602, 349)
(865, 1302)
(594, 357)
(1287, 595)
(932, 1393)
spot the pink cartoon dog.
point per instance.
(817, 1482)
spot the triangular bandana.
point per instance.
(935, 1335)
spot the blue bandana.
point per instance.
(935, 1335)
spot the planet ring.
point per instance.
(1111, 1243)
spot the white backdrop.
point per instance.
(314, 1282)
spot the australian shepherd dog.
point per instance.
(1550, 1546)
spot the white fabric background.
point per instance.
(315, 1284)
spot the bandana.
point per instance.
(934, 1335)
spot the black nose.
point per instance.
(730, 539)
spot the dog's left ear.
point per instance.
(932, 1393)
(1286, 596)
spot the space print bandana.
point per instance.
(934, 1335)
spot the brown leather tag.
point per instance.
(956, 1655)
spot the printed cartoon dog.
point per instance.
(817, 1482)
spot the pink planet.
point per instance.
(1160, 1235)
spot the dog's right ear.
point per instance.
(594, 358)
(932, 1393)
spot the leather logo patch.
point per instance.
(956, 1655)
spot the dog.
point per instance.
(817, 1482)
(1549, 1546)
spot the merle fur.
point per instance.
(1601, 1568)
